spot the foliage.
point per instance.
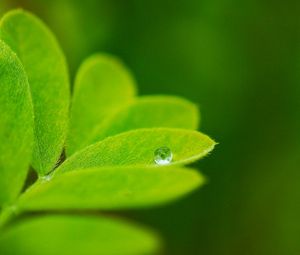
(109, 146)
(47, 74)
(15, 125)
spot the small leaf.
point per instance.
(102, 86)
(47, 74)
(148, 112)
(16, 125)
(136, 148)
(77, 235)
(111, 188)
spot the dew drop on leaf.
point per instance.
(46, 178)
(163, 156)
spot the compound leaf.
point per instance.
(149, 112)
(136, 148)
(47, 73)
(102, 86)
(77, 235)
(16, 125)
(111, 188)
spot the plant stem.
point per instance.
(7, 214)
(11, 211)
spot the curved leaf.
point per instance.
(47, 74)
(148, 112)
(102, 86)
(16, 125)
(77, 235)
(136, 148)
(111, 188)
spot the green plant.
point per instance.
(109, 143)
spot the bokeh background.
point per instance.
(240, 61)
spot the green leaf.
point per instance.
(47, 74)
(111, 188)
(148, 112)
(77, 235)
(136, 148)
(102, 86)
(16, 125)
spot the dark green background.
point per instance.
(240, 61)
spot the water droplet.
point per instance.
(163, 156)
(46, 178)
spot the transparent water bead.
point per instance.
(46, 178)
(163, 156)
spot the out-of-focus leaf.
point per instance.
(103, 85)
(47, 74)
(137, 147)
(148, 112)
(75, 235)
(16, 125)
(111, 188)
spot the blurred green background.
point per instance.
(240, 61)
